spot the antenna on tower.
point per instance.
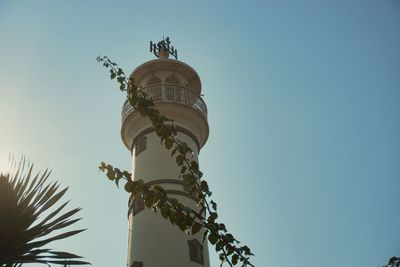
(163, 45)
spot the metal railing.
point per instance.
(173, 93)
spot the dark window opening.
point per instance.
(137, 264)
(140, 145)
(196, 251)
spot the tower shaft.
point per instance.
(175, 88)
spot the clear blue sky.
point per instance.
(304, 103)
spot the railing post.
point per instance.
(186, 96)
(163, 92)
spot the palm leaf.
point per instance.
(24, 229)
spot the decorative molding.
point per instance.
(186, 187)
(196, 251)
(137, 204)
(172, 181)
(181, 193)
(178, 128)
(185, 191)
(165, 181)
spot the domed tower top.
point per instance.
(178, 72)
(175, 88)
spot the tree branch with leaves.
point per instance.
(393, 262)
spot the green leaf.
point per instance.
(179, 160)
(110, 174)
(184, 148)
(159, 188)
(219, 245)
(149, 202)
(183, 169)
(229, 249)
(212, 217)
(128, 186)
(102, 166)
(168, 143)
(127, 175)
(173, 152)
(204, 186)
(222, 227)
(235, 258)
(229, 238)
(222, 257)
(172, 216)
(246, 250)
(182, 225)
(165, 211)
(173, 201)
(194, 165)
(213, 238)
(213, 204)
(196, 228)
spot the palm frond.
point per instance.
(29, 219)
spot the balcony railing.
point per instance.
(170, 93)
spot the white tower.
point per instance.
(175, 88)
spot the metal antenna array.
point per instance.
(163, 45)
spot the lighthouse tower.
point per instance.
(175, 88)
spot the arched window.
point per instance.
(172, 79)
(196, 251)
(140, 145)
(136, 205)
(154, 80)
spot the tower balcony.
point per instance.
(170, 93)
(176, 102)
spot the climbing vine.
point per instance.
(393, 262)
(155, 197)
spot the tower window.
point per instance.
(154, 80)
(172, 79)
(140, 145)
(196, 251)
(138, 204)
(137, 264)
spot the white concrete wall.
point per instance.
(152, 239)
